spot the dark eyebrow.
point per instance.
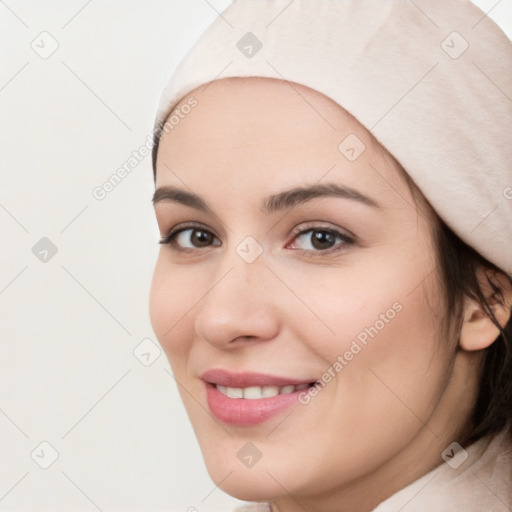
(173, 194)
(281, 201)
(290, 198)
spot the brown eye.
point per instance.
(200, 238)
(321, 240)
(190, 238)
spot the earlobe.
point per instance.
(478, 330)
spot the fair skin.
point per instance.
(385, 419)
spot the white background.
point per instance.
(69, 326)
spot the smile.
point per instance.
(258, 392)
(248, 399)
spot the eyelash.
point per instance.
(347, 241)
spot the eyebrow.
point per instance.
(276, 202)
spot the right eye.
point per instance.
(190, 238)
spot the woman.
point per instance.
(333, 291)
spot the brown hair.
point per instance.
(458, 264)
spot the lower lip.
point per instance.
(245, 412)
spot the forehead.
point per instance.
(234, 107)
(268, 134)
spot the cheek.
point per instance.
(376, 333)
(378, 309)
(391, 388)
(383, 370)
(172, 297)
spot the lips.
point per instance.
(246, 399)
(248, 379)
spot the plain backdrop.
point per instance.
(84, 388)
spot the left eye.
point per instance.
(321, 239)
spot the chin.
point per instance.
(265, 480)
(246, 485)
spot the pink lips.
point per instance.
(247, 412)
(246, 379)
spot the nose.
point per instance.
(239, 306)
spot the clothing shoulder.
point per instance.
(479, 478)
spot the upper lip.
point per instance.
(247, 379)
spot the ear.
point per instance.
(478, 330)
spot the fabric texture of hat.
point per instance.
(430, 79)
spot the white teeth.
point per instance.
(235, 392)
(269, 391)
(257, 392)
(252, 392)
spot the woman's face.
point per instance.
(300, 257)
